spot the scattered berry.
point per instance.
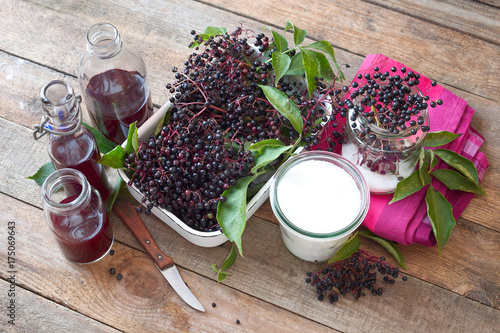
(119, 276)
(112, 271)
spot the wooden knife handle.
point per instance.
(127, 213)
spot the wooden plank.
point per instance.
(142, 301)
(34, 313)
(495, 3)
(469, 17)
(158, 28)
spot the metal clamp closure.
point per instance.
(42, 129)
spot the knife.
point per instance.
(127, 213)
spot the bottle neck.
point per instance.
(61, 106)
(103, 40)
(66, 191)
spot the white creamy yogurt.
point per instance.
(319, 197)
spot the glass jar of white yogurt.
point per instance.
(319, 199)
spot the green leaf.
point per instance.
(460, 163)
(434, 160)
(312, 69)
(279, 41)
(231, 258)
(423, 167)
(436, 139)
(161, 123)
(214, 31)
(104, 145)
(221, 275)
(298, 34)
(114, 159)
(285, 106)
(265, 143)
(296, 65)
(281, 62)
(455, 181)
(43, 172)
(347, 249)
(132, 141)
(407, 187)
(112, 197)
(253, 191)
(231, 214)
(267, 155)
(325, 70)
(326, 47)
(440, 214)
(386, 244)
(209, 31)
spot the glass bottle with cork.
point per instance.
(113, 81)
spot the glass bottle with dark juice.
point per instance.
(116, 99)
(114, 84)
(76, 215)
(71, 145)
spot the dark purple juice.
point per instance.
(80, 152)
(86, 236)
(116, 99)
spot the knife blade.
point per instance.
(127, 213)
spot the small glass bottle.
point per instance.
(76, 215)
(384, 158)
(71, 145)
(114, 85)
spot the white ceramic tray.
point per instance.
(200, 238)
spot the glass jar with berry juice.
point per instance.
(76, 216)
(113, 82)
(71, 145)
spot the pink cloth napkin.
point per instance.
(406, 221)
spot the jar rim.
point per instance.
(339, 161)
(93, 34)
(46, 91)
(103, 40)
(54, 182)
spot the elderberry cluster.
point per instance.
(186, 169)
(222, 83)
(354, 276)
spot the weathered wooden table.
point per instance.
(456, 42)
